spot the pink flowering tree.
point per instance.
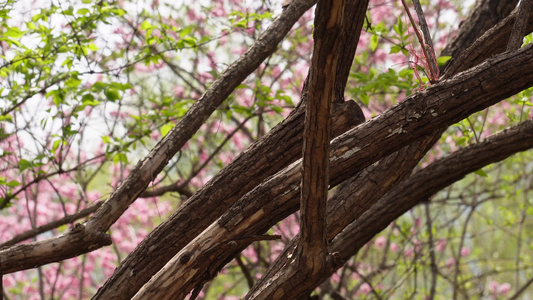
(280, 150)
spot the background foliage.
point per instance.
(88, 88)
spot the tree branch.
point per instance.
(484, 15)
(519, 28)
(315, 173)
(425, 183)
(277, 197)
(54, 224)
(406, 195)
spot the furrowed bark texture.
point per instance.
(417, 189)
(155, 161)
(428, 181)
(170, 273)
(72, 244)
(315, 159)
(277, 197)
(265, 289)
(280, 147)
(519, 28)
(378, 178)
(148, 169)
(492, 42)
(485, 14)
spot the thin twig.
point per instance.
(428, 43)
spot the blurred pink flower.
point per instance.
(493, 287)
(394, 247)
(441, 245)
(505, 288)
(365, 288)
(465, 251)
(380, 242)
(450, 262)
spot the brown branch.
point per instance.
(54, 224)
(425, 183)
(280, 147)
(148, 169)
(519, 28)
(277, 197)
(492, 42)
(76, 242)
(315, 162)
(484, 15)
(409, 193)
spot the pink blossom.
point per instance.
(465, 251)
(408, 252)
(179, 91)
(380, 242)
(365, 288)
(450, 262)
(505, 288)
(493, 287)
(394, 247)
(441, 245)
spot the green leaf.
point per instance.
(443, 59)
(83, 11)
(55, 145)
(374, 42)
(112, 94)
(364, 98)
(481, 173)
(120, 157)
(145, 25)
(395, 49)
(13, 32)
(106, 139)
(92, 47)
(166, 128)
(13, 183)
(24, 164)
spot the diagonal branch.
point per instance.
(445, 103)
(155, 161)
(425, 183)
(519, 28)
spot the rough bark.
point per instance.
(78, 241)
(328, 41)
(428, 181)
(147, 169)
(484, 15)
(378, 178)
(52, 225)
(519, 28)
(492, 42)
(405, 196)
(277, 197)
(348, 41)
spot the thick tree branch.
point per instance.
(492, 42)
(519, 28)
(76, 242)
(484, 15)
(315, 161)
(147, 169)
(411, 192)
(400, 125)
(425, 183)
